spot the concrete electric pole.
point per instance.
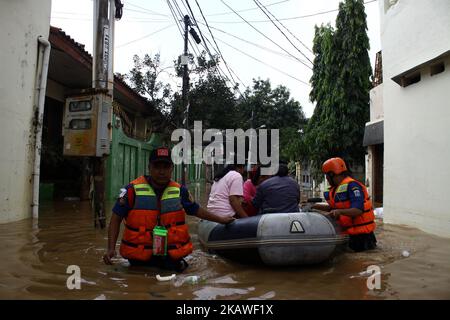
(102, 84)
(185, 89)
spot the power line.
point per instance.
(147, 10)
(290, 18)
(218, 49)
(266, 64)
(146, 36)
(253, 44)
(287, 38)
(249, 9)
(265, 35)
(207, 49)
(178, 9)
(172, 10)
(219, 70)
(90, 19)
(259, 3)
(229, 70)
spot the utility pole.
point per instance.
(102, 84)
(184, 95)
(249, 164)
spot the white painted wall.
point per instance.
(21, 22)
(417, 117)
(413, 32)
(376, 103)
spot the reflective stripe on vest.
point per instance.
(145, 197)
(171, 200)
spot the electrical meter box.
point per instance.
(87, 125)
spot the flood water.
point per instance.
(35, 257)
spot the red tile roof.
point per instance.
(59, 39)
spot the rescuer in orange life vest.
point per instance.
(349, 203)
(154, 209)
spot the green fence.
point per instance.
(129, 158)
(127, 161)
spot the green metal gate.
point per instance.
(127, 161)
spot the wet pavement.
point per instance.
(35, 257)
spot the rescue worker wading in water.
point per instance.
(349, 203)
(154, 209)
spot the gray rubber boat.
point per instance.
(276, 239)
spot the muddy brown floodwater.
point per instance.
(35, 257)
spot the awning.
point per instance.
(374, 134)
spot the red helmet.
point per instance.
(335, 165)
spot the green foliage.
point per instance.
(217, 105)
(210, 99)
(340, 88)
(274, 109)
(212, 102)
(144, 79)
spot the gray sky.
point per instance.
(147, 26)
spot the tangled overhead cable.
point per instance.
(119, 9)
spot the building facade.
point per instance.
(374, 137)
(21, 23)
(415, 38)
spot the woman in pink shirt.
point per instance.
(227, 192)
(250, 189)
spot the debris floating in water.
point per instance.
(405, 253)
(191, 279)
(87, 282)
(167, 278)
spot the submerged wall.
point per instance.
(21, 23)
(416, 116)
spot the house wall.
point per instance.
(416, 117)
(376, 103)
(21, 22)
(376, 114)
(369, 171)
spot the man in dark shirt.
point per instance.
(278, 194)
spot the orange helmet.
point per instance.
(335, 165)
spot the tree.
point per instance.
(144, 79)
(275, 109)
(354, 78)
(340, 88)
(210, 99)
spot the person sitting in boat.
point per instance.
(225, 198)
(250, 186)
(279, 193)
(154, 209)
(349, 203)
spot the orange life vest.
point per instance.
(148, 212)
(364, 223)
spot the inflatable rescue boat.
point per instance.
(276, 239)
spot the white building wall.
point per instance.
(416, 117)
(21, 22)
(376, 104)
